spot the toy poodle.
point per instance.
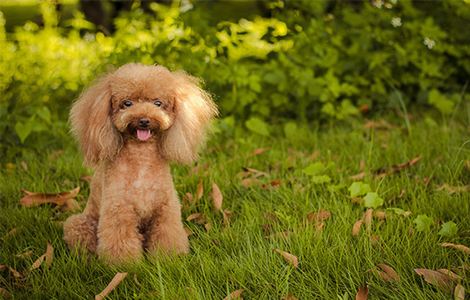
(130, 124)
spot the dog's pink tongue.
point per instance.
(143, 134)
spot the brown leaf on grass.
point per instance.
(379, 124)
(197, 218)
(362, 293)
(217, 197)
(259, 151)
(3, 267)
(387, 273)
(459, 247)
(318, 216)
(459, 292)
(367, 218)
(356, 228)
(380, 214)
(70, 205)
(396, 168)
(248, 182)
(199, 190)
(289, 297)
(11, 233)
(38, 262)
(272, 184)
(49, 254)
(435, 278)
(227, 214)
(319, 226)
(111, 286)
(15, 273)
(290, 258)
(453, 189)
(31, 199)
(235, 295)
(188, 198)
(254, 172)
(358, 176)
(4, 293)
(208, 226)
(450, 274)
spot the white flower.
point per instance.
(429, 43)
(396, 22)
(378, 3)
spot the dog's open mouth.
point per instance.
(143, 134)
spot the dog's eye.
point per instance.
(127, 103)
(158, 103)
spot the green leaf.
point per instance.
(258, 126)
(373, 200)
(290, 129)
(423, 223)
(448, 229)
(44, 114)
(358, 189)
(314, 169)
(23, 129)
(320, 179)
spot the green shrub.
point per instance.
(313, 60)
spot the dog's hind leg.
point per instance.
(80, 231)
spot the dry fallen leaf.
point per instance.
(450, 274)
(291, 259)
(319, 216)
(453, 189)
(217, 197)
(4, 293)
(358, 176)
(208, 226)
(256, 173)
(227, 214)
(289, 297)
(188, 198)
(356, 227)
(460, 247)
(380, 214)
(11, 233)
(380, 124)
(197, 218)
(49, 254)
(435, 278)
(70, 205)
(199, 190)
(396, 168)
(15, 273)
(247, 182)
(235, 295)
(31, 199)
(459, 292)
(259, 151)
(38, 262)
(111, 286)
(272, 184)
(387, 273)
(362, 293)
(367, 218)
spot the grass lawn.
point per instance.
(304, 173)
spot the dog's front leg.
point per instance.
(118, 237)
(167, 233)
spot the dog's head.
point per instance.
(143, 104)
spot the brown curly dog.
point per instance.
(130, 125)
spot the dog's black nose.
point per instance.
(144, 123)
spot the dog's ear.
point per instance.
(194, 110)
(92, 125)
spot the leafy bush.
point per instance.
(312, 60)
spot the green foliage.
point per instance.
(373, 200)
(313, 60)
(423, 223)
(359, 189)
(448, 229)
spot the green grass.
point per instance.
(332, 264)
